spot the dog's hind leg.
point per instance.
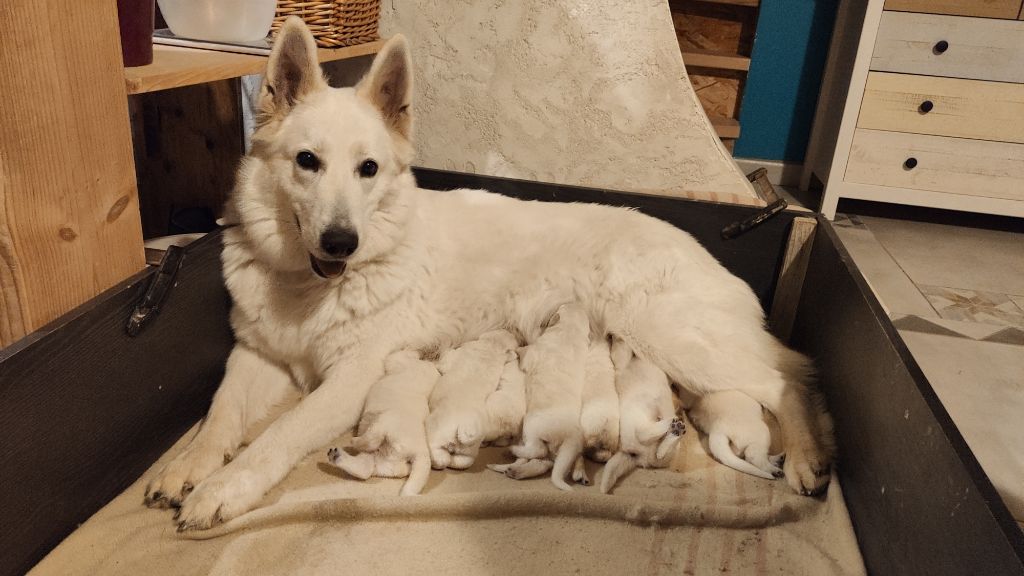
(568, 453)
(579, 472)
(251, 389)
(732, 351)
(718, 445)
(360, 466)
(523, 469)
(618, 466)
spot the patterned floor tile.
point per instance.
(974, 306)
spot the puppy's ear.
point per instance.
(388, 86)
(293, 70)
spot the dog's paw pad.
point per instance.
(678, 427)
(333, 454)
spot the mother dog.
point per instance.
(338, 259)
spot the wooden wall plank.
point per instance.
(961, 108)
(983, 8)
(69, 227)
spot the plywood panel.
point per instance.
(960, 108)
(984, 8)
(978, 48)
(69, 225)
(954, 165)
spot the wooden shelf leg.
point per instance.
(69, 215)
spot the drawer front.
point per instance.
(978, 48)
(939, 164)
(983, 8)
(955, 107)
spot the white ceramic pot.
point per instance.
(219, 20)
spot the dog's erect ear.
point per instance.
(388, 86)
(293, 70)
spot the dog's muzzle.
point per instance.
(327, 268)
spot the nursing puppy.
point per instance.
(506, 406)
(648, 427)
(392, 442)
(599, 415)
(733, 417)
(458, 420)
(554, 367)
(335, 259)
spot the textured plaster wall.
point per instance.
(588, 92)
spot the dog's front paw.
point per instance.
(221, 497)
(807, 471)
(678, 427)
(172, 484)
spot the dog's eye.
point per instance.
(368, 169)
(307, 160)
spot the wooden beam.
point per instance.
(69, 218)
(747, 3)
(715, 60)
(791, 277)
(726, 127)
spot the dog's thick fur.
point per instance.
(649, 429)
(458, 419)
(554, 367)
(432, 270)
(506, 406)
(392, 440)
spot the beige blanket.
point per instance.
(697, 517)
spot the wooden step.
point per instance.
(726, 127)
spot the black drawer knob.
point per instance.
(910, 163)
(940, 47)
(926, 107)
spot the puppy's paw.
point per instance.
(333, 455)
(220, 498)
(678, 427)
(440, 458)
(461, 461)
(177, 479)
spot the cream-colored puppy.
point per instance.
(392, 442)
(554, 366)
(648, 427)
(599, 415)
(506, 406)
(458, 419)
(735, 418)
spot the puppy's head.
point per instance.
(322, 187)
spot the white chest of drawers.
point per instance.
(923, 104)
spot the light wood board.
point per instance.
(954, 165)
(174, 66)
(962, 108)
(984, 8)
(69, 216)
(979, 48)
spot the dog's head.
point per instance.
(323, 186)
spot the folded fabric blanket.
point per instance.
(696, 517)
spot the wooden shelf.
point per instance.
(715, 60)
(726, 127)
(174, 66)
(750, 3)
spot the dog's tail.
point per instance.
(718, 443)
(567, 453)
(419, 472)
(618, 466)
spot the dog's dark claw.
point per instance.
(177, 513)
(778, 474)
(186, 489)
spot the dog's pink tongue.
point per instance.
(327, 268)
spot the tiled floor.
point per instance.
(956, 294)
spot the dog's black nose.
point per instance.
(339, 242)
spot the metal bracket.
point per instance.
(159, 287)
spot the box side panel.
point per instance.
(84, 409)
(919, 501)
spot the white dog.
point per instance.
(336, 259)
(506, 406)
(734, 417)
(648, 427)
(392, 441)
(458, 419)
(599, 415)
(554, 366)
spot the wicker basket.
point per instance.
(334, 23)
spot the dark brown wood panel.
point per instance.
(84, 409)
(919, 500)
